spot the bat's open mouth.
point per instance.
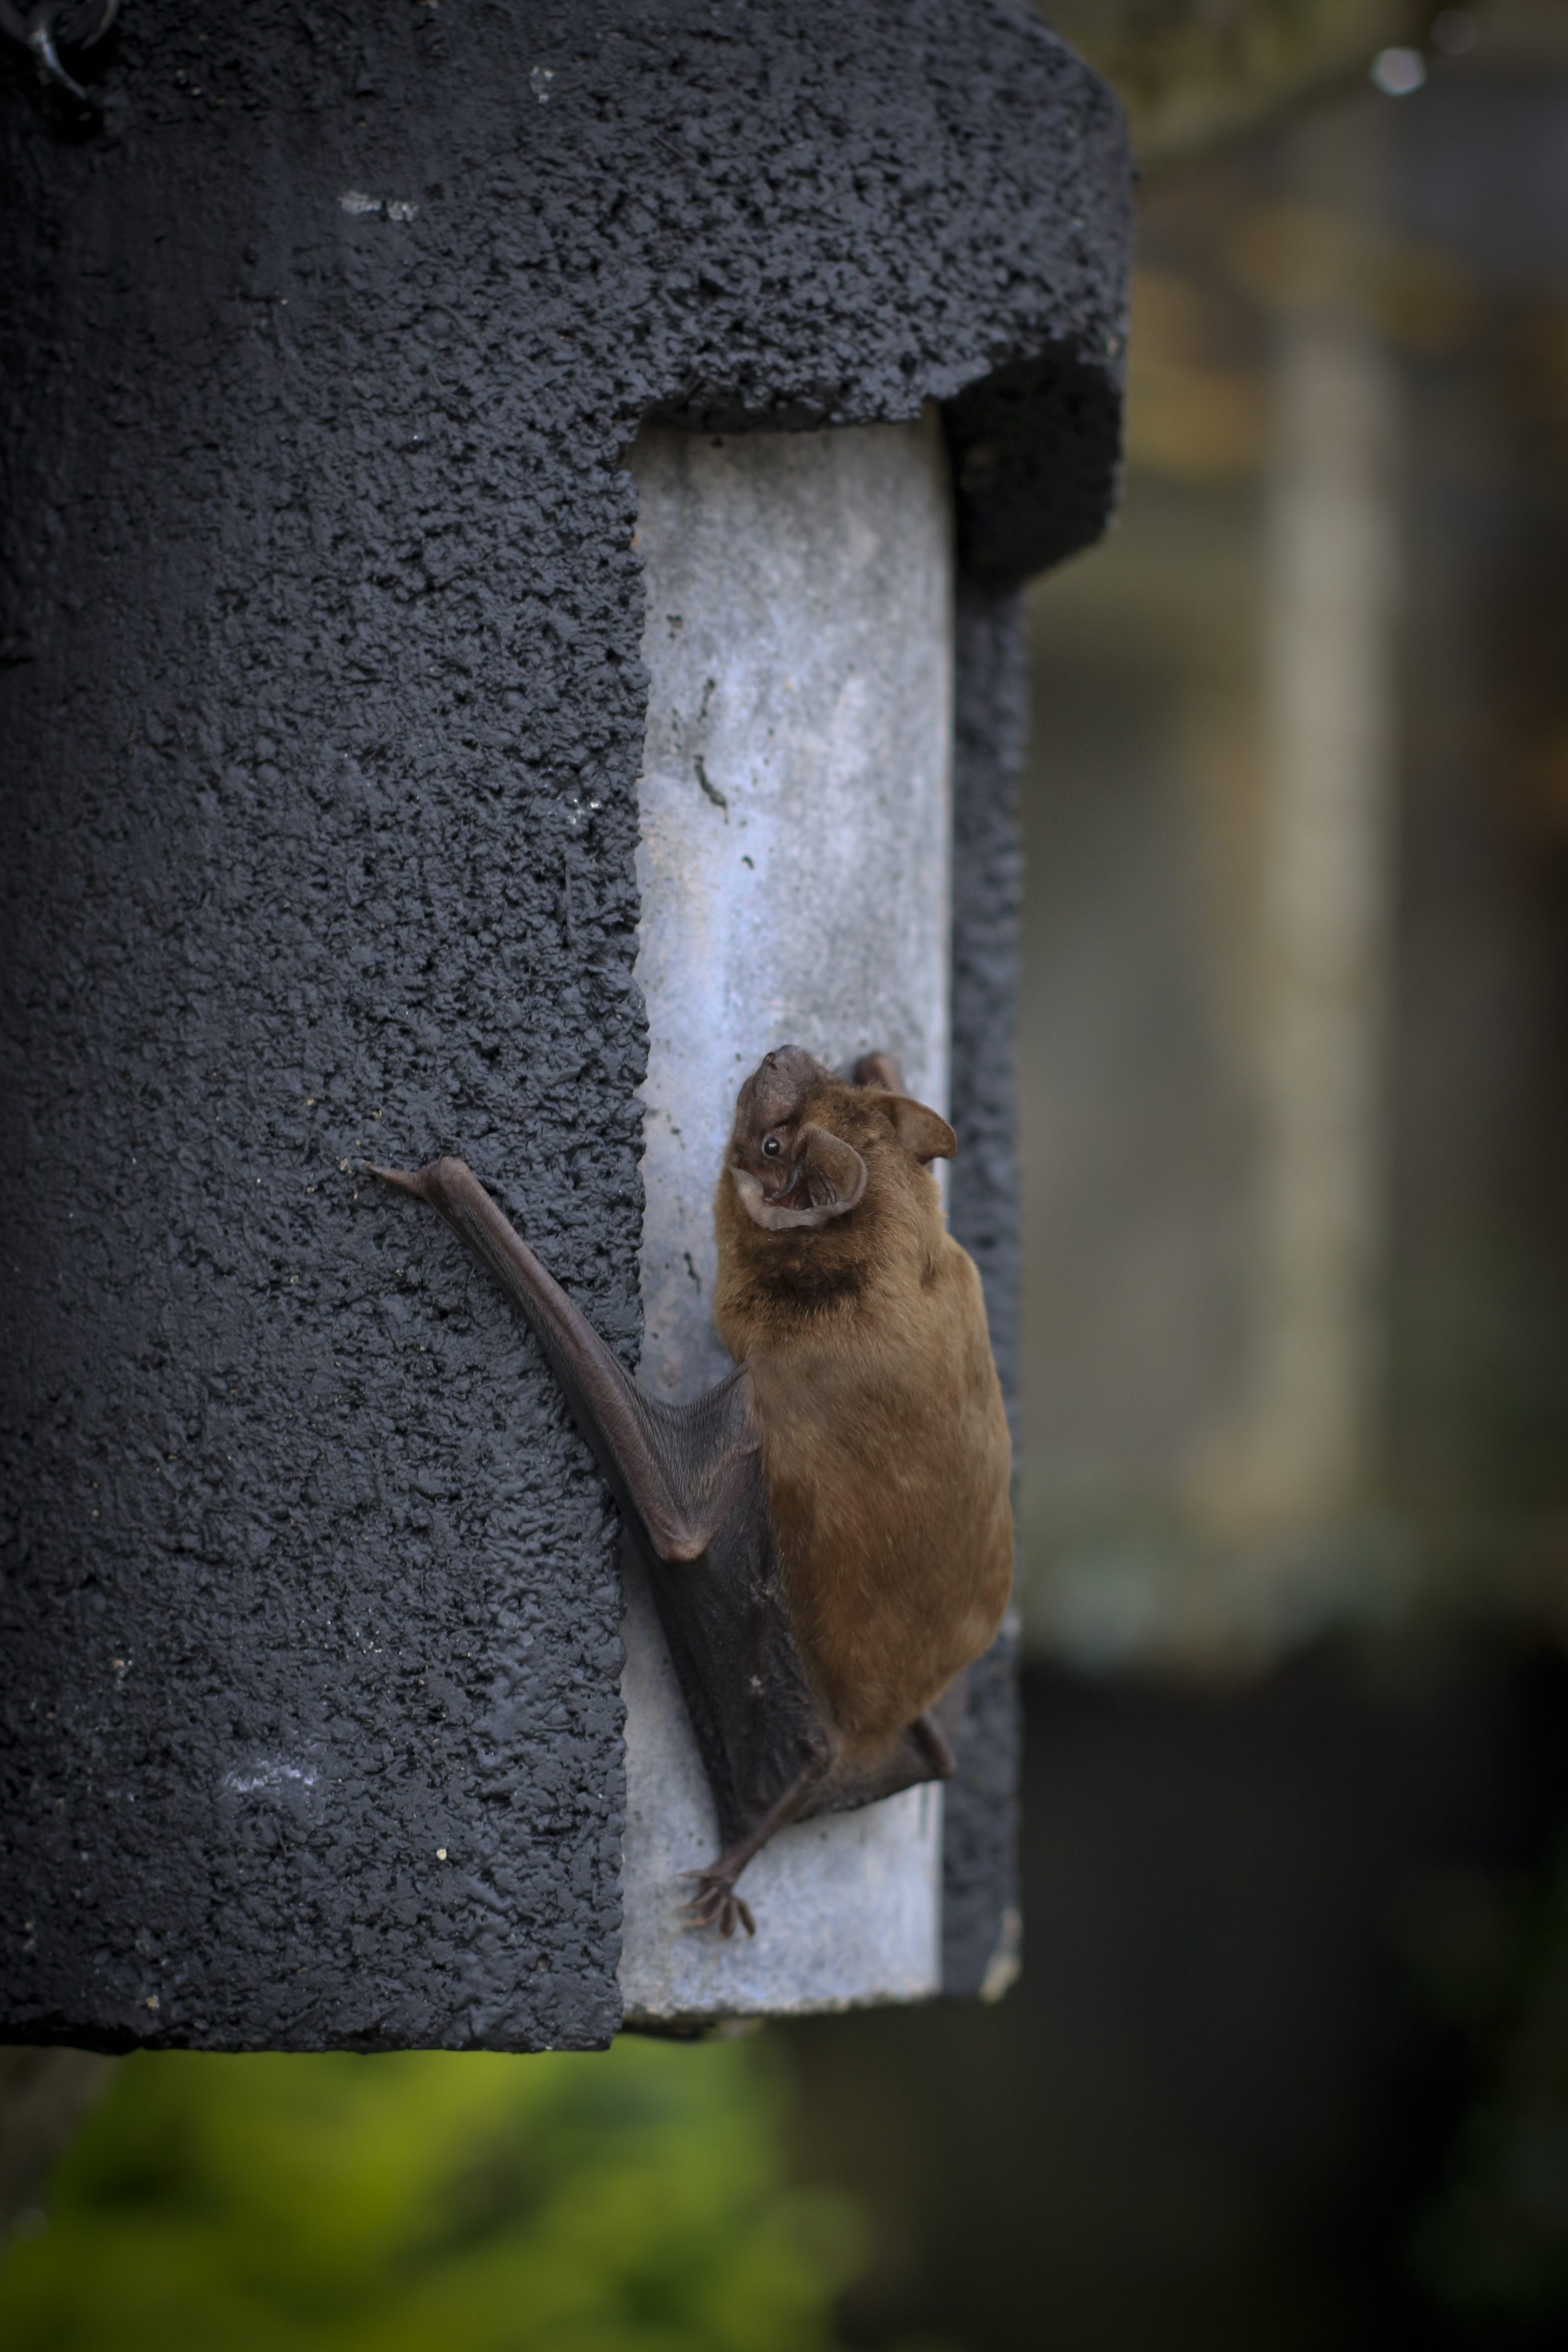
(797, 1194)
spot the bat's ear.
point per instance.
(834, 1172)
(880, 1070)
(921, 1131)
(832, 1177)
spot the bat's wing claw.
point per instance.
(436, 1182)
(407, 1180)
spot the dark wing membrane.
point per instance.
(756, 1715)
(620, 1424)
(753, 1705)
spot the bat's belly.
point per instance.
(894, 1532)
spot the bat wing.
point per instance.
(689, 1481)
(754, 1706)
(758, 1720)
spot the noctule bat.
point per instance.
(827, 1533)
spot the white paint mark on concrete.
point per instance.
(358, 205)
(271, 1773)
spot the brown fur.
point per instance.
(885, 1447)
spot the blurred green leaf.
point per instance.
(1494, 2243)
(567, 2203)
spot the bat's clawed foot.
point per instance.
(713, 1902)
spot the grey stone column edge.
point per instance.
(323, 719)
(980, 1911)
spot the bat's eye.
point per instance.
(772, 1146)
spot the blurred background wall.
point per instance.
(1287, 2065)
(1295, 1143)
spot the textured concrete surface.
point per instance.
(322, 714)
(980, 1910)
(794, 876)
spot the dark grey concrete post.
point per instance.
(322, 720)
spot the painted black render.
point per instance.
(991, 704)
(321, 719)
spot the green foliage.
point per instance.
(1494, 2245)
(632, 2203)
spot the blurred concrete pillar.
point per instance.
(1327, 861)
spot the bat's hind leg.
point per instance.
(713, 1902)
